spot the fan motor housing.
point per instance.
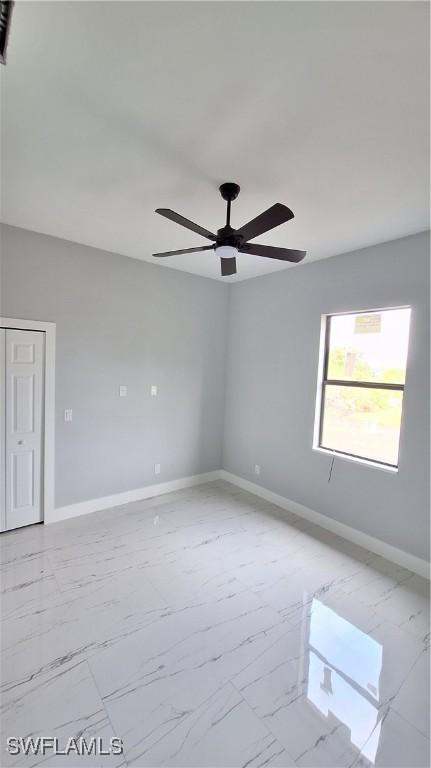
(228, 236)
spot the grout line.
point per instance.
(61, 593)
(87, 662)
(267, 727)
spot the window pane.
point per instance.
(369, 346)
(362, 422)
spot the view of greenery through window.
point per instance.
(368, 347)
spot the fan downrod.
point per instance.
(229, 191)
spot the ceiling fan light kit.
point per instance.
(228, 242)
(226, 251)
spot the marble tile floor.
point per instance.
(208, 627)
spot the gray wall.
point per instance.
(272, 358)
(122, 321)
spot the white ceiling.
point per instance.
(111, 109)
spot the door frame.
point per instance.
(48, 421)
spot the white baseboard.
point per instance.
(379, 547)
(138, 494)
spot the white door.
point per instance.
(23, 422)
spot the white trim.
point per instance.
(319, 388)
(356, 459)
(138, 494)
(367, 311)
(379, 547)
(49, 405)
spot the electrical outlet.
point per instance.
(68, 415)
(123, 390)
(153, 390)
(257, 469)
(157, 469)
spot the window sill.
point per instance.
(356, 460)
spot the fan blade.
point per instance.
(271, 218)
(168, 214)
(186, 250)
(228, 266)
(271, 252)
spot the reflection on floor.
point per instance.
(344, 666)
(209, 628)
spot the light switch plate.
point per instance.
(153, 390)
(123, 390)
(68, 414)
(257, 469)
(157, 469)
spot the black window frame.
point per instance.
(353, 383)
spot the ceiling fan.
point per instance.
(228, 241)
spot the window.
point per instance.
(364, 371)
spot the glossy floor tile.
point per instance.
(206, 628)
